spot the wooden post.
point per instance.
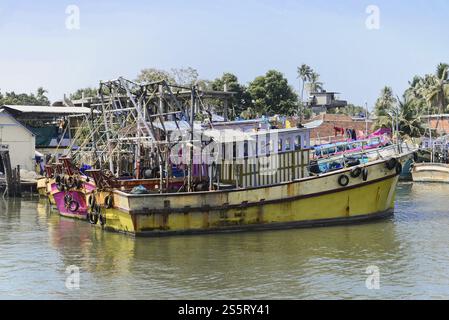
(18, 191)
(4, 155)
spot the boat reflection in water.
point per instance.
(287, 264)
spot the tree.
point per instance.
(154, 75)
(350, 110)
(88, 92)
(271, 94)
(385, 103)
(185, 76)
(435, 89)
(241, 99)
(304, 72)
(38, 99)
(315, 85)
(180, 76)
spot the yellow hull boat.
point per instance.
(337, 197)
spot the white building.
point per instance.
(20, 141)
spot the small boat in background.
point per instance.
(437, 170)
(430, 172)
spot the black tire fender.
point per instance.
(391, 163)
(60, 187)
(73, 206)
(365, 174)
(109, 201)
(67, 198)
(91, 201)
(356, 172)
(398, 168)
(343, 180)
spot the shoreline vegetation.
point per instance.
(271, 94)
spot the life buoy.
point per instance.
(355, 172)
(73, 206)
(108, 201)
(398, 168)
(343, 180)
(391, 163)
(365, 174)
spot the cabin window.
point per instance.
(245, 149)
(341, 148)
(298, 142)
(287, 145)
(279, 144)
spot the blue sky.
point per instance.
(118, 38)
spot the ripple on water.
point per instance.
(410, 249)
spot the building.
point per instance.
(47, 124)
(321, 102)
(19, 140)
(327, 128)
(438, 122)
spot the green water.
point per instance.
(410, 249)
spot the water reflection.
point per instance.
(409, 249)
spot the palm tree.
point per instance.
(315, 84)
(385, 103)
(434, 89)
(304, 73)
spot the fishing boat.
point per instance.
(69, 190)
(46, 183)
(208, 180)
(430, 172)
(437, 169)
(352, 194)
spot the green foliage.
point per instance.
(38, 99)
(350, 110)
(271, 94)
(179, 76)
(88, 92)
(154, 75)
(184, 76)
(241, 99)
(308, 77)
(385, 103)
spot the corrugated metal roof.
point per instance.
(313, 124)
(171, 125)
(47, 109)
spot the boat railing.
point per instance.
(357, 158)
